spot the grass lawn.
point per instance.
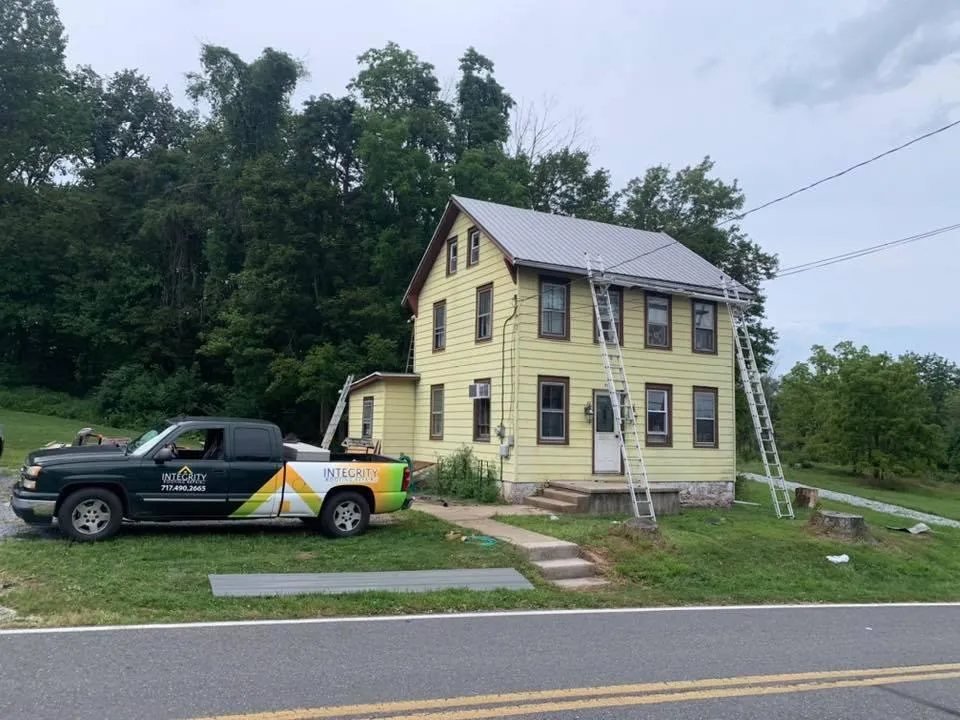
(937, 498)
(159, 573)
(746, 555)
(24, 432)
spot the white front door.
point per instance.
(606, 449)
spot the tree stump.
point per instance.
(806, 497)
(840, 524)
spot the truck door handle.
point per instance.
(219, 472)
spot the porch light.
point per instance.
(588, 410)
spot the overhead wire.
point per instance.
(818, 263)
(841, 173)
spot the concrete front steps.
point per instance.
(599, 498)
(559, 561)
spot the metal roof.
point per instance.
(380, 375)
(635, 257)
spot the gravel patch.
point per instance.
(10, 524)
(866, 503)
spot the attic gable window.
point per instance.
(440, 325)
(658, 318)
(554, 308)
(485, 312)
(452, 255)
(474, 256)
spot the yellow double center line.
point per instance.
(478, 707)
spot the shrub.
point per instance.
(461, 475)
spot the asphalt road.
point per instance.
(867, 663)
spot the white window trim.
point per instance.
(546, 284)
(562, 412)
(711, 328)
(440, 329)
(435, 413)
(452, 256)
(489, 314)
(474, 247)
(365, 420)
(665, 435)
(715, 420)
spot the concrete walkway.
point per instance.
(558, 560)
(866, 503)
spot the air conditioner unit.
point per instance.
(479, 391)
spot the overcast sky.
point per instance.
(779, 93)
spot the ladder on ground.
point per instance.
(757, 401)
(337, 414)
(618, 389)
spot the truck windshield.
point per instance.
(149, 440)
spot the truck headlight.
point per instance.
(30, 476)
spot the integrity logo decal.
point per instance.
(184, 480)
(184, 476)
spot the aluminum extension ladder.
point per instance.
(617, 388)
(757, 401)
(337, 414)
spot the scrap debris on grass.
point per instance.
(484, 540)
(914, 530)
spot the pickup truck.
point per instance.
(200, 468)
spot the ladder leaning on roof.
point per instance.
(617, 388)
(756, 400)
(337, 414)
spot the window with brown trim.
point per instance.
(553, 410)
(484, 328)
(473, 256)
(616, 302)
(658, 316)
(439, 325)
(659, 409)
(704, 326)
(436, 412)
(706, 431)
(481, 414)
(554, 310)
(452, 249)
(366, 419)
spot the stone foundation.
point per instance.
(705, 494)
(517, 492)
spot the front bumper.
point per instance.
(35, 510)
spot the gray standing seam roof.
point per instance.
(560, 241)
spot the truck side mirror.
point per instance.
(163, 455)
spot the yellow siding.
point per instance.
(393, 409)
(579, 359)
(398, 413)
(464, 360)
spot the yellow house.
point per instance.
(506, 358)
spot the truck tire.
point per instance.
(90, 514)
(344, 514)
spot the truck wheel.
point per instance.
(90, 514)
(344, 515)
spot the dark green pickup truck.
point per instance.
(201, 468)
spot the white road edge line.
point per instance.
(216, 624)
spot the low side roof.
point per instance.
(559, 242)
(375, 377)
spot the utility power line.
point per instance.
(812, 185)
(852, 255)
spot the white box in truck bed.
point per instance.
(305, 452)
